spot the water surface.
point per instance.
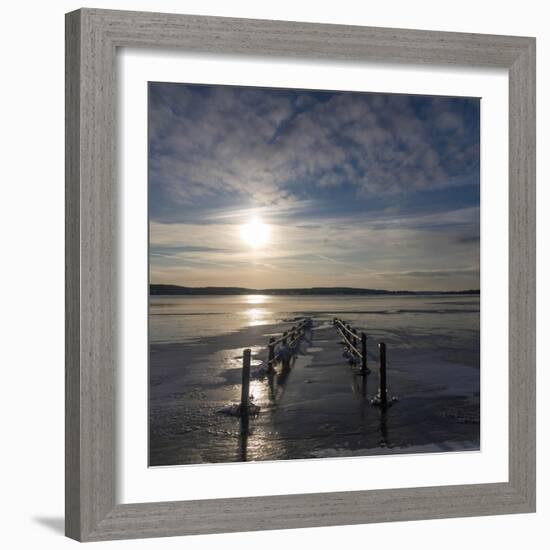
(320, 407)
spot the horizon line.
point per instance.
(232, 287)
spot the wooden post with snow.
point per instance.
(245, 388)
(382, 391)
(364, 353)
(270, 354)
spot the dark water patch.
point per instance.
(389, 312)
(190, 314)
(473, 303)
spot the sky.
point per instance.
(277, 188)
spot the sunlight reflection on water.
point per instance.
(256, 316)
(257, 299)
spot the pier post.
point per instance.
(270, 354)
(245, 388)
(363, 353)
(382, 391)
(285, 360)
(355, 338)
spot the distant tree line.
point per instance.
(170, 290)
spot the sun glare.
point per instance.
(255, 233)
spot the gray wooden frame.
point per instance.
(92, 38)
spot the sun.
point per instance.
(255, 233)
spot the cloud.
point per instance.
(437, 273)
(185, 248)
(271, 147)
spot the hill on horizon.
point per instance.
(169, 290)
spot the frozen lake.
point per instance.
(320, 408)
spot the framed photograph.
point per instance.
(300, 275)
(293, 233)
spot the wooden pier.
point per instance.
(284, 348)
(280, 350)
(356, 344)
